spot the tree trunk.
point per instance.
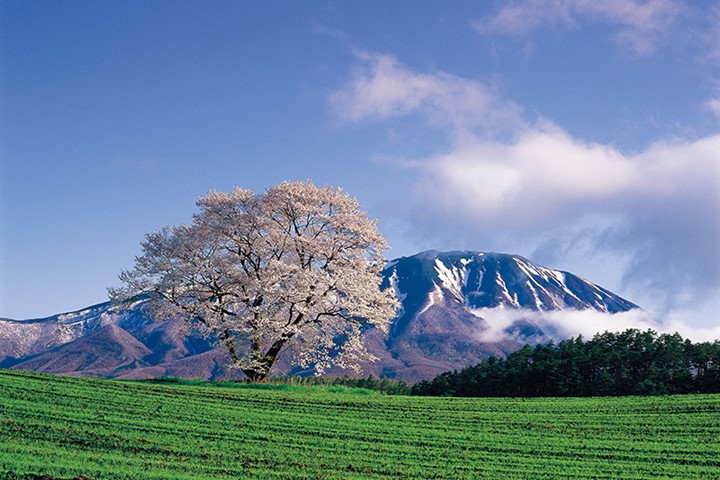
(264, 362)
(258, 370)
(255, 376)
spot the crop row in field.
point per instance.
(66, 427)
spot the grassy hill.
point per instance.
(61, 427)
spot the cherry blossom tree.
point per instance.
(295, 268)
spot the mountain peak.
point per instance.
(489, 279)
(458, 307)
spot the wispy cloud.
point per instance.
(639, 25)
(655, 212)
(381, 88)
(713, 105)
(709, 36)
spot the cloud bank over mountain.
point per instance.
(566, 324)
(506, 176)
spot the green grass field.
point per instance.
(58, 427)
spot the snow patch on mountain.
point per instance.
(434, 297)
(453, 278)
(394, 284)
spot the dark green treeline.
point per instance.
(632, 362)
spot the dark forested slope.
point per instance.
(632, 362)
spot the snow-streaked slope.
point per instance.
(488, 280)
(460, 307)
(20, 338)
(102, 340)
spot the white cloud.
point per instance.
(559, 325)
(641, 25)
(382, 88)
(527, 180)
(542, 171)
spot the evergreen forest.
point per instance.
(632, 362)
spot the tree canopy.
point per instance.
(294, 268)
(632, 362)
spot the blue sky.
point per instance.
(583, 135)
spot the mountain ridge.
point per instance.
(445, 322)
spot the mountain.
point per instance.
(107, 341)
(461, 307)
(457, 308)
(106, 352)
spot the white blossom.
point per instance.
(296, 267)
